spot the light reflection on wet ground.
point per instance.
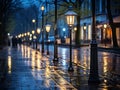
(24, 63)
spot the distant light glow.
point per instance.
(8, 34)
(64, 29)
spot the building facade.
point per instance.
(103, 30)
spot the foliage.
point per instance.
(10, 25)
(7, 9)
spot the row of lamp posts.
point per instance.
(47, 27)
(38, 32)
(70, 17)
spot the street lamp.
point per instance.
(64, 32)
(9, 41)
(105, 26)
(55, 59)
(93, 76)
(33, 20)
(84, 28)
(34, 27)
(38, 31)
(42, 8)
(105, 35)
(48, 29)
(34, 37)
(70, 17)
(64, 36)
(33, 32)
(37, 34)
(75, 29)
(30, 38)
(28, 34)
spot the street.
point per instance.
(28, 70)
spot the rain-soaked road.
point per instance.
(27, 70)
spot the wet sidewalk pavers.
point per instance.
(27, 70)
(18, 76)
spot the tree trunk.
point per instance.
(114, 38)
(77, 37)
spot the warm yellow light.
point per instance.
(48, 27)
(22, 35)
(33, 21)
(42, 8)
(25, 34)
(19, 35)
(75, 28)
(33, 32)
(105, 25)
(70, 17)
(70, 20)
(84, 26)
(28, 33)
(38, 30)
(9, 64)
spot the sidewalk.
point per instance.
(101, 47)
(108, 48)
(30, 71)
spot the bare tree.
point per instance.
(111, 23)
(63, 6)
(7, 8)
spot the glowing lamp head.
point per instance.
(70, 17)
(48, 26)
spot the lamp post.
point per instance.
(30, 38)
(37, 33)
(84, 28)
(23, 39)
(35, 38)
(75, 29)
(34, 23)
(9, 39)
(70, 17)
(64, 36)
(55, 35)
(105, 37)
(48, 29)
(33, 32)
(42, 8)
(28, 34)
(93, 76)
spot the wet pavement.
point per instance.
(24, 69)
